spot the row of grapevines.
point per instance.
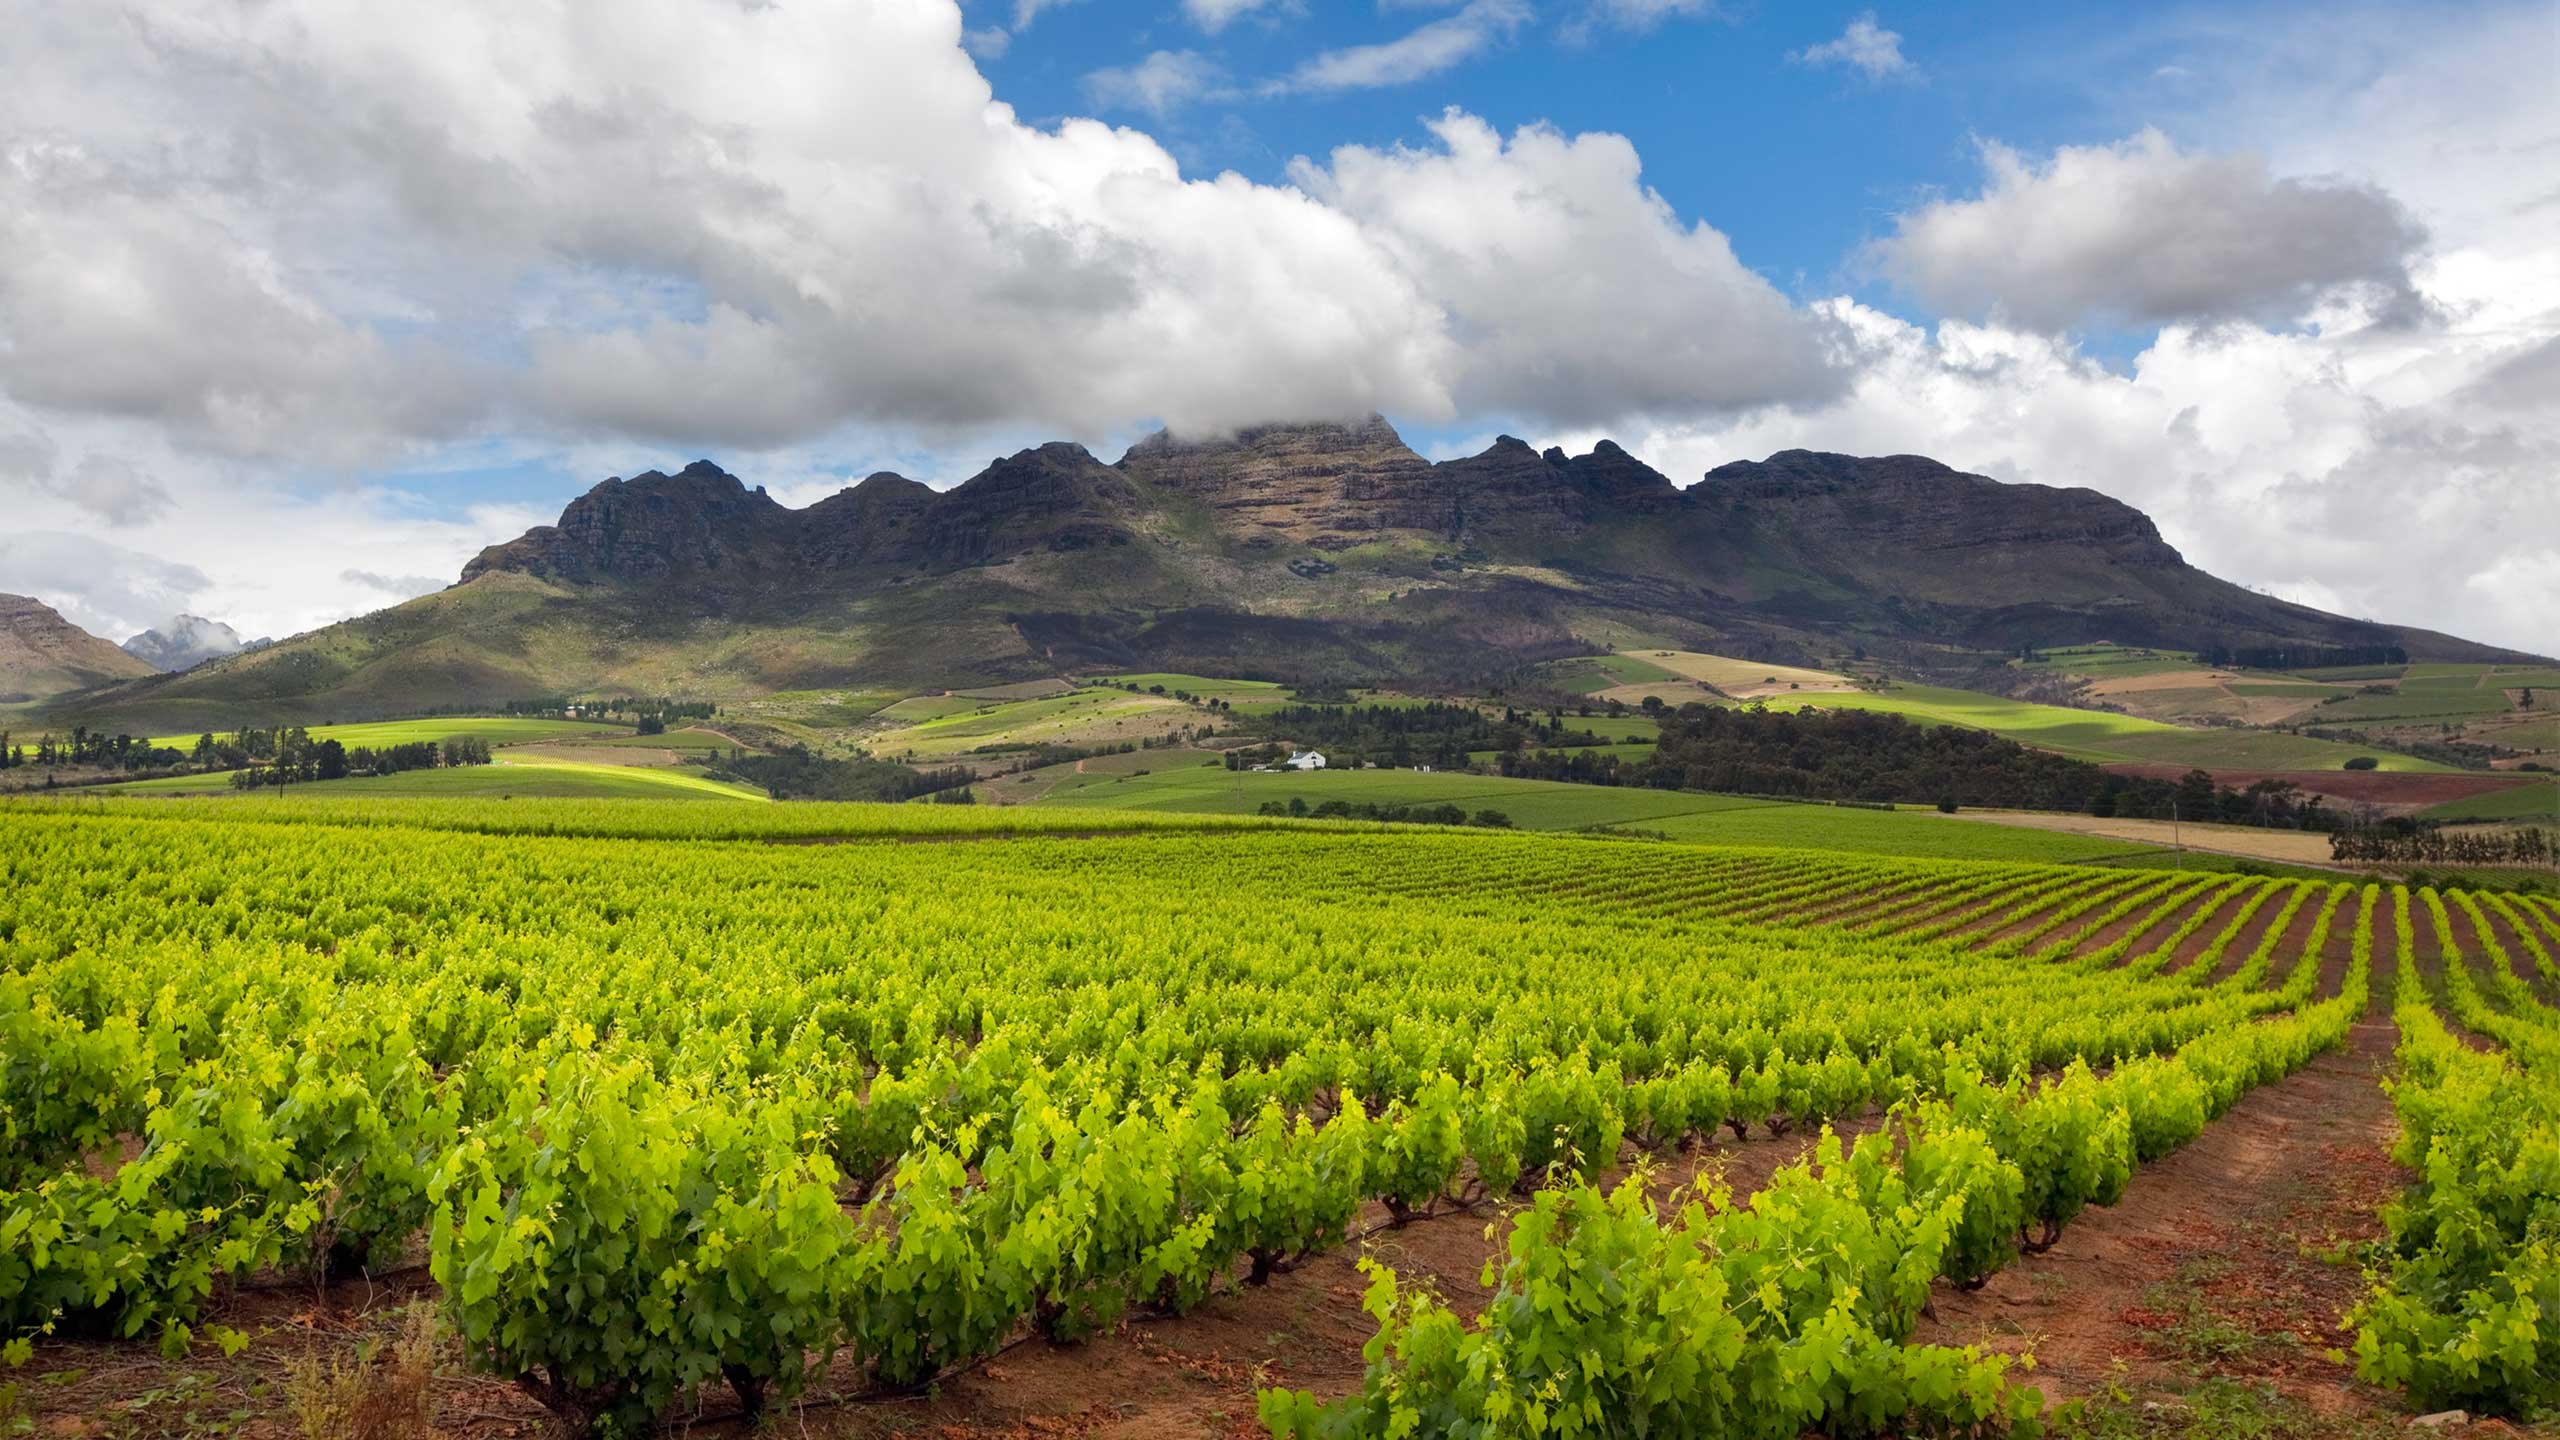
(1793, 1313)
(2461, 1312)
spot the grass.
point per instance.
(1630, 750)
(1208, 685)
(496, 729)
(1552, 805)
(2103, 736)
(2539, 801)
(1897, 832)
(2417, 700)
(1728, 673)
(1212, 789)
(547, 779)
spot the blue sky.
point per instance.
(1799, 164)
(298, 320)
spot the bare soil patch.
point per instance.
(2289, 847)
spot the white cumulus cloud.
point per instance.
(1865, 47)
(2144, 233)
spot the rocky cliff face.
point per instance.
(43, 654)
(650, 527)
(1915, 505)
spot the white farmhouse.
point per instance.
(1304, 760)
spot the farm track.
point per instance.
(2230, 1258)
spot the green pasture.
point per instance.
(496, 729)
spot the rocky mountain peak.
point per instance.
(185, 641)
(650, 526)
(1327, 484)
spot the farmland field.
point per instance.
(2101, 735)
(496, 729)
(548, 777)
(2539, 802)
(1148, 1113)
(942, 728)
(1555, 805)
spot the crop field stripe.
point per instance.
(2124, 905)
(2543, 960)
(2063, 915)
(2513, 991)
(2207, 891)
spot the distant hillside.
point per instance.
(1286, 551)
(185, 641)
(43, 654)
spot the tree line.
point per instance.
(2411, 842)
(1298, 807)
(1873, 756)
(1401, 736)
(87, 747)
(292, 757)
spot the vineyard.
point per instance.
(692, 1112)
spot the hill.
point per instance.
(43, 654)
(1287, 552)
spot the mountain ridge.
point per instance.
(1286, 551)
(42, 654)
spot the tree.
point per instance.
(2196, 795)
(332, 758)
(650, 724)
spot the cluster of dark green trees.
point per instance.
(2403, 841)
(798, 773)
(87, 747)
(1403, 736)
(1870, 756)
(289, 756)
(1408, 814)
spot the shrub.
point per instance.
(2362, 762)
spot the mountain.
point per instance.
(186, 641)
(42, 654)
(1293, 551)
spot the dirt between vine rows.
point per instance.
(2231, 1259)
